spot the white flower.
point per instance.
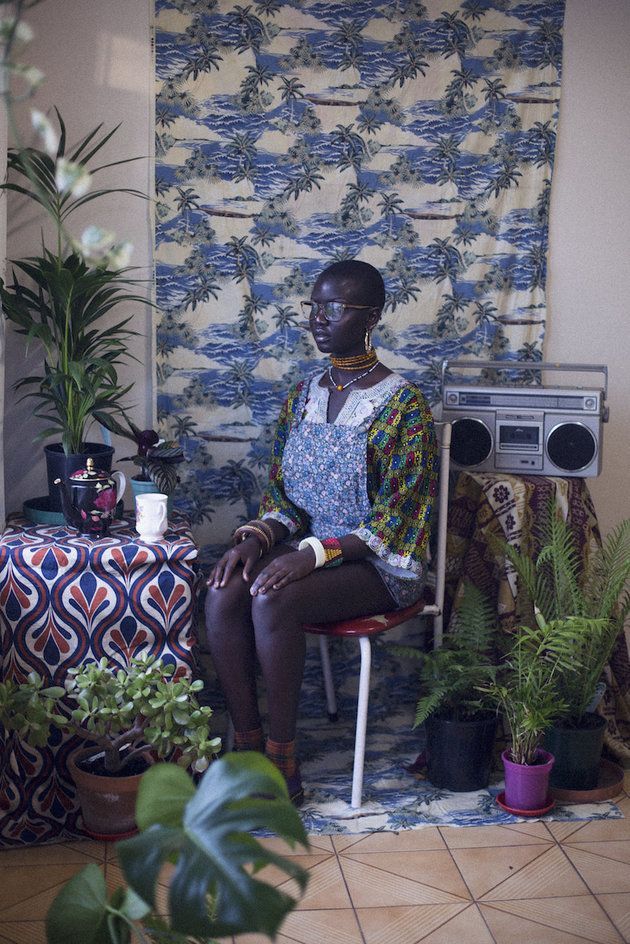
(96, 244)
(120, 255)
(22, 32)
(29, 74)
(72, 178)
(43, 127)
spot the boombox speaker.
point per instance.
(531, 430)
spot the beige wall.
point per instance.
(98, 65)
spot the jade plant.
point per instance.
(204, 836)
(122, 712)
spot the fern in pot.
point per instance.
(459, 719)
(595, 591)
(66, 305)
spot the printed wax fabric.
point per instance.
(65, 600)
(293, 133)
(486, 510)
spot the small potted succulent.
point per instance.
(125, 719)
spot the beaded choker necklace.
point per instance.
(340, 387)
(358, 362)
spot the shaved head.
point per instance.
(358, 282)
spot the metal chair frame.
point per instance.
(364, 628)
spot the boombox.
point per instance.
(532, 430)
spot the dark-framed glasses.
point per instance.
(332, 311)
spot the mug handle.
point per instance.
(121, 484)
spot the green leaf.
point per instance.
(164, 792)
(214, 850)
(78, 913)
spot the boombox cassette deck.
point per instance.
(532, 430)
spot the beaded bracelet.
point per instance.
(333, 552)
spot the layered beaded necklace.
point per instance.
(340, 387)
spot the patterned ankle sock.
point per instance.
(282, 754)
(253, 740)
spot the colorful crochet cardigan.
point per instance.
(401, 478)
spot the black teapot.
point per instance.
(89, 498)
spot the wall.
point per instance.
(589, 280)
(98, 65)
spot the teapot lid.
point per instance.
(89, 474)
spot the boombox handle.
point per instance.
(529, 366)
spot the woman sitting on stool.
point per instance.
(352, 483)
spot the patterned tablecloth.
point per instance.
(487, 509)
(66, 599)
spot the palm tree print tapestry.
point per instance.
(293, 133)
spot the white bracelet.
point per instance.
(318, 548)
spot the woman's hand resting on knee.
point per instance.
(246, 552)
(283, 570)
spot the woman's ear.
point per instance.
(373, 318)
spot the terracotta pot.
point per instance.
(108, 804)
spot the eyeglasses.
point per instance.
(332, 311)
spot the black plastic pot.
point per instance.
(578, 752)
(60, 466)
(459, 753)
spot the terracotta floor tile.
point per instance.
(405, 925)
(24, 883)
(59, 853)
(604, 829)
(486, 868)
(410, 840)
(321, 927)
(619, 851)
(550, 921)
(468, 927)
(533, 830)
(317, 844)
(550, 875)
(492, 836)
(617, 907)
(600, 874)
(375, 888)
(326, 887)
(562, 831)
(344, 842)
(263, 939)
(435, 868)
(23, 932)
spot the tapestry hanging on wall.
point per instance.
(292, 133)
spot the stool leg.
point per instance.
(331, 701)
(362, 711)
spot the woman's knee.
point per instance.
(277, 608)
(224, 604)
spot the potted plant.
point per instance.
(125, 718)
(63, 300)
(560, 584)
(204, 835)
(460, 720)
(157, 458)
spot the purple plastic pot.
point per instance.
(527, 785)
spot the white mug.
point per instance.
(151, 520)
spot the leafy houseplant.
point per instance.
(157, 459)
(597, 595)
(205, 833)
(459, 719)
(123, 715)
(63, 298)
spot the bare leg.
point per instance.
(230, 636)
(354, 589)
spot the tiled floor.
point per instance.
(561, 883)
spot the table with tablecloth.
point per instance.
(485, 511)
(67, 599)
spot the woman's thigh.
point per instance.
(327, 594)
